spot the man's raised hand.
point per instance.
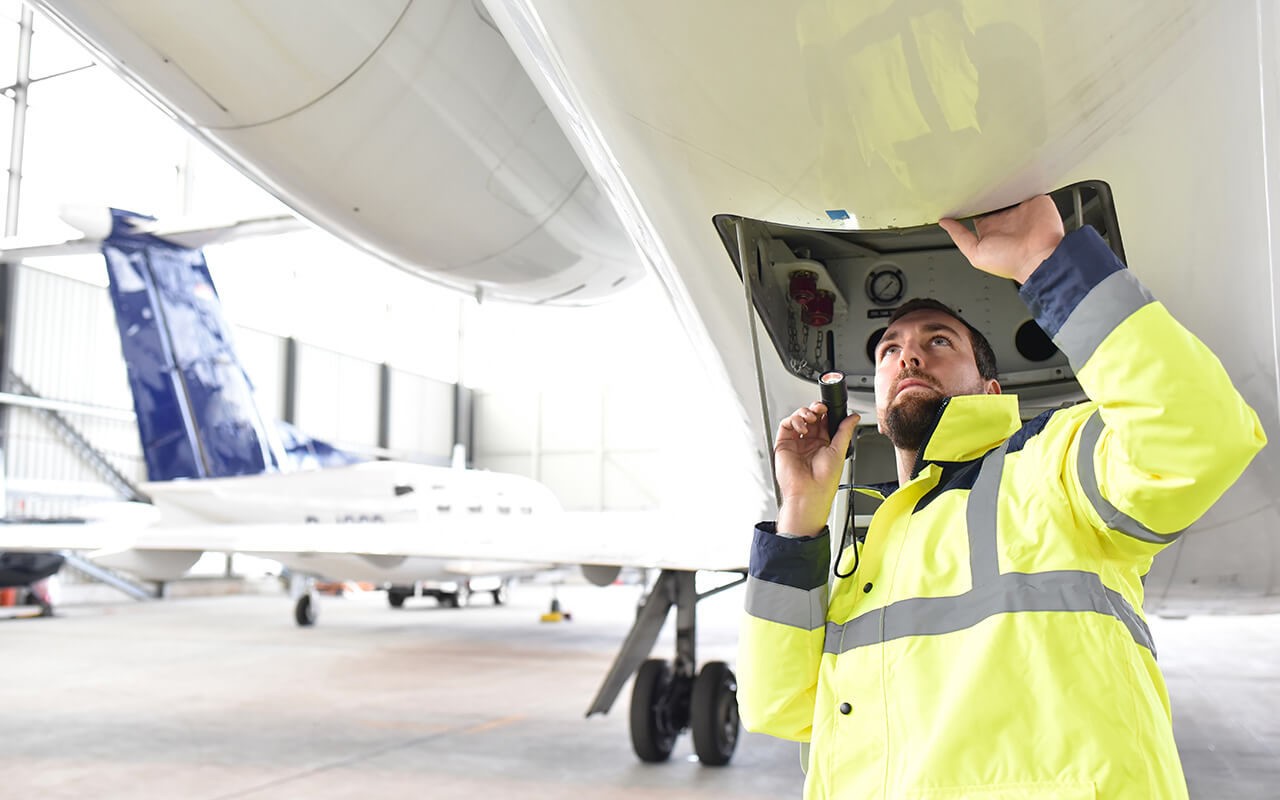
(1013, 242)
(808, 465)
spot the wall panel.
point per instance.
(337, 397)
(575, 478)
(262, 356)
(506, 424)
(597, 448)
(421, 418)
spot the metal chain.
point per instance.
(817, 354)
(798, 364)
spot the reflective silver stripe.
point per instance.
(787, 605)
(1014, 592)
(1137, 626)
(1097, 315)
(980, 517)
(1112, 517)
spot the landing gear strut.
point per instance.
(669, 698)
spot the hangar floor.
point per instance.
(225, 698)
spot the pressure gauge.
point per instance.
(886, 286)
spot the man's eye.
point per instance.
(887, 351)
(942, 339)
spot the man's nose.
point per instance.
(908, 357)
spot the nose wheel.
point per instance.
(714, 709)
(664, 705)
(659, 710)
(671, 697)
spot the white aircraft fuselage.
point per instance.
(511, 148)
(367, 494)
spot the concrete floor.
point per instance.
(226, 698)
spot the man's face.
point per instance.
(922, 359)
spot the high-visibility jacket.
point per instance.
(991, 643)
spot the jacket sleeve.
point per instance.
(780, 646)
(1170, 433)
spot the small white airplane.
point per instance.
(213, 457)
(759, 156)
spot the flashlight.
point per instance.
(836, 398)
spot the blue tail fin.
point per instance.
(196, 412)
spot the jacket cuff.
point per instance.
(801, 563)
(1081, 293)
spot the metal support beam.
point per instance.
(8, 272)
(84, 409)
(384, 405)
(464, 420)
(18, 138)
(135, 590)
(8, 287)
(289, 397)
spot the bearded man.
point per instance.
(989, 643)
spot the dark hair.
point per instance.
(983, 355)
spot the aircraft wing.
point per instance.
(653, 539)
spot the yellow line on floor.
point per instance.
(495, 723)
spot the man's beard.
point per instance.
(907, 421)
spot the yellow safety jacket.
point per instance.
(991, 643)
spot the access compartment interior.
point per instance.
(825, 296)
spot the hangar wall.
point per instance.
(593, 445)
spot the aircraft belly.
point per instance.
(337, 566)
(902, 113)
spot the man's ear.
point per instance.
(993, 386)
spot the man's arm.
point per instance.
(1171, 433)
(781, 639)
(780, 646)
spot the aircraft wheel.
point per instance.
(396, 599)
(35, 598)
(304, 611)
(459, 598)
(653, 734)
(714, 713)
(502, 594)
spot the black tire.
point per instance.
(460, 598)
(501, 594)
(714, 714)
(652, 736)
(396, 599)
(304, 611)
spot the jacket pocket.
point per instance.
(1009, 791)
